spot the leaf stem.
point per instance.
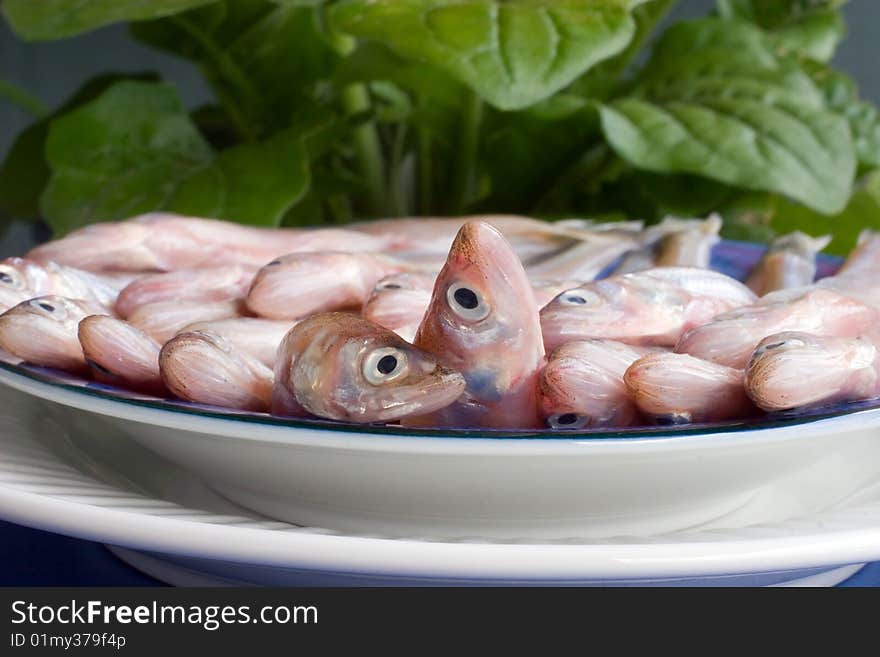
(21, 98)
(426, 192)
(464, 175)
(368, 148)
(228, 70)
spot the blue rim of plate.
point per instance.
(730, 257)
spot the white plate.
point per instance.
(398, 483)
(100, 487)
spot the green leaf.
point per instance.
(25, 172)
(122, 154)
(134, 150)
(842, 96)
(862, 211)
(55, 19)
(252, 184)
(512, 54)
(810, 28)
(715, 102)
(526, 152)
(263, 61)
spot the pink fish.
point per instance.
(22, 279)
(209, 284)
(398, 302)
(165, 242)
(794, 369)
(43, 331)
(483, 322)
(582, 385)
(205, 368)
(790, 262)
(301, 284)
(119, 353)
(343, 367)
(678, 389)
(729, 339)
(651, 307)
(256, 337)
(164, 319)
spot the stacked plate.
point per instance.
(170, 488)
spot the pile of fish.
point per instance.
(470, 322)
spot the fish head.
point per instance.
(582, 385)
(482, 319)
(621, 308)
(672, 388)
(20, 279)
(349, 368)
(43, 331)
(398, 302)
(300, 284)
(794, 369)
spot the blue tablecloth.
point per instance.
(29, 557)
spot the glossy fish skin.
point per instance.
(652, 307)
(119, 353)
(165, 242)
(258, 338)
(729, 339)
(584, 260)
(582, 385)
(790, 262)
(864, 261)
(688, 242)
(186, 286)
(22, 279)
(673, 242)
(343, 367)
(165, 319)
(302, 284)
(398, 302)
(674, 388)
(483, 322)
(205, 368)
(794, 369)
(43, 331)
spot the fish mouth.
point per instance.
(439, 390)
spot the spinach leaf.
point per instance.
(512, 54)
(25, 172)
(55, 19)
(121, 154)
(255, 183)
(134, 150)
(264, 62)
(810, 28)
(842, 96)
(715, 101)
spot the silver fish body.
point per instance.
(343, 367)
(44, 331)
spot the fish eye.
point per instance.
(385, 365)
(788, 342)
(466, 302)
(6, 278)
(578, 298)
(43, 305)
(568, 421)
